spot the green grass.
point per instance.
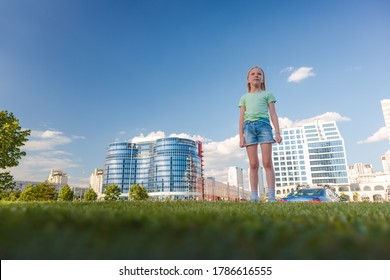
(194, 230)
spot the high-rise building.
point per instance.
(359, 173)
(361, 169)
(386, 162)
(313, 153)
(96, 180)
(167, 167)
(235, 177)
(57, 177)
(385, 103)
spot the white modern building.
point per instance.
(360, 172)
(361, 168)
(96, 180)
(311, 154)
(236, 177)
(386, 163)
(385, 103)
(57, 177)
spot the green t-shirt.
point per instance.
(256, 104)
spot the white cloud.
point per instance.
(36, 166)
(287, 69)
(46, 140)
(154, 135)
(299, 74)
(43, 154)
(47, 161)
(193, 137)
(328, 116)
(286, 123)
(220, 155)
(150, 137)
(380, 135)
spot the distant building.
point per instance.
(386, 163)
(22, 185)
(57, 177)
(79, 191)
(359, 173)
(385, 103)
(236, 177)
(311, 154)
(216, 191)
(169, 168)
(96, 180)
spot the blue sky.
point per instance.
(82, 74)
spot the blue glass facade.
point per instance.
(167, 167)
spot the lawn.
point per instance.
(194, 230)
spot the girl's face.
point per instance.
(255, 77)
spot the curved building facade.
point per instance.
(167, 167)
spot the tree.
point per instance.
(112, 192)
(29, 194)
(46, 192)
(90, 195)
(6, 181)
(138, 192)
(66, 193)
(12, 137)
(41, 192)
(10, 195)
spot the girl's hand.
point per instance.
(242, 142)
(278, 138)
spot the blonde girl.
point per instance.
(257, 107)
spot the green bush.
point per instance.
(90, 195)
(112, 192)
(66, 194)
(41, 192)
(138, 192)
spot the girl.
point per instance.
(256, 108)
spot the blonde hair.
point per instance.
(262, 84)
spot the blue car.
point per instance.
(318, 194)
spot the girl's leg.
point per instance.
(266, 153)
(254, 170)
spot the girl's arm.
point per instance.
(275, 121)
(241, 126)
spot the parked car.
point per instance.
(312, 194)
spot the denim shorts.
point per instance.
(258, 132)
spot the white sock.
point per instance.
(255, 195)
(271, 195)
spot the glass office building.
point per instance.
(167, 167)
(311, 154)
